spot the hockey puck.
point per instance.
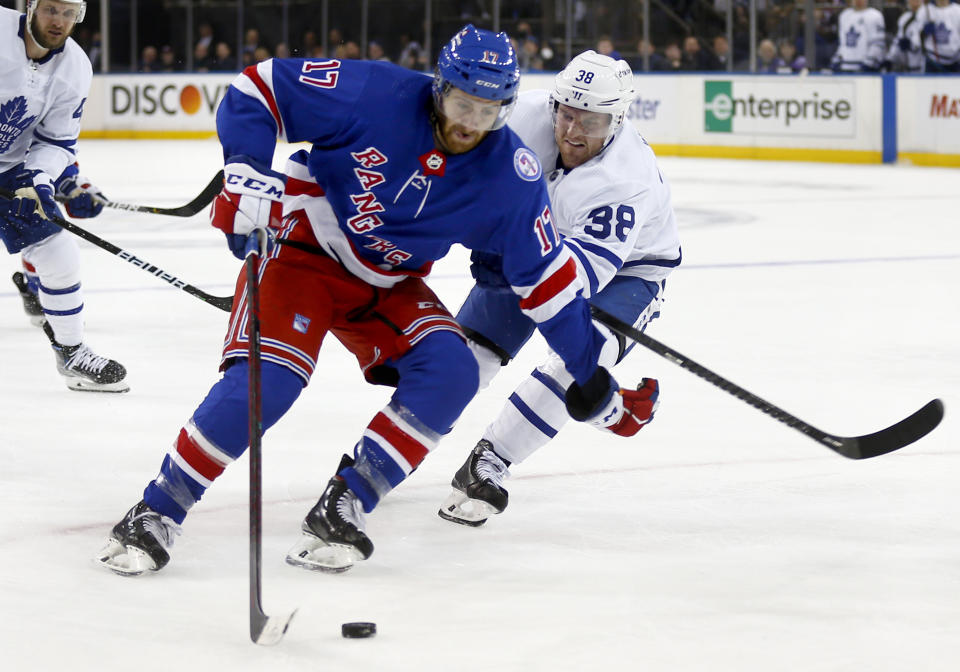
(358, 630)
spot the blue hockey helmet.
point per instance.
(482, 64)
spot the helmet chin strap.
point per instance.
(31, 7)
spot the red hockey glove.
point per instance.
(601, 403)
(250, 200)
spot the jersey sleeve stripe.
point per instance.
(261, 76)
(68, 144)
(594, 283)
(550, 288)
(600, 251)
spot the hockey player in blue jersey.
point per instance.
(45, 82)
(400, 168)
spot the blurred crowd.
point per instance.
(686, 35)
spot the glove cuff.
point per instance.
(584, 401)
(246, 176)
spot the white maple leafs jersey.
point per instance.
(862, 39)
(944, 45)
(908, 26)
(614, 210)
(40, 101)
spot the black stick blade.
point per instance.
(894, 437)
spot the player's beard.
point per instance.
(455, 138)
(45, 41)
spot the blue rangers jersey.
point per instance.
(386, 203)
(40, 101)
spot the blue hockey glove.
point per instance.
(250, 199)
(904, 44)
(929, 29)
(602, 403)
(487, 269)
(82, 198)
(25, 219)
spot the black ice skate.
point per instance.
(333, 537)
(478, 491)
(139, 542)
(31, 304)
(84, 370)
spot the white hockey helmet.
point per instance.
(80, 7)
(597, 83)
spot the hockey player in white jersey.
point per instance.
(941, 36)
(905, 54)
(613, 207)
(862, 39)
(46, 78)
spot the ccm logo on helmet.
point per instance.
(489, 85)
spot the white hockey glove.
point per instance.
(250, 199)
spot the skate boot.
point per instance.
(478, 491)
(31, 304)
(84, 370)
(333, 537)
(139, 542)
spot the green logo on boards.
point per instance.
(718, 106)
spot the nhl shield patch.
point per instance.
(527, 165)
(301, 323)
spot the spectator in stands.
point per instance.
(148, 59)
(307, 44)
(251, 41)
(96, 52)
(168, 59)
(655, 59)
(206, 35)
(282, 50)
(413, 57)
(261, 54)
(605, 47)
(529, 55)
(375, 52)
(791, 62)
(223, 58)
(692, 58)
(767, 60)
(202, 61)
(672, 57)
(720, 58)
(348, 50)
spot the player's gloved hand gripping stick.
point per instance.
(221, 302)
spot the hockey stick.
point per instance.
(221, 302)
(264, 629)
(885, 441)
(202, 200)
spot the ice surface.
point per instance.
(717, 539)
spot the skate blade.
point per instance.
(83, 385)
(460, 509)
(124, 560)
(317, 555)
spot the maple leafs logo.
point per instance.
(13, 121)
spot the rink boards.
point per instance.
(858, 119)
